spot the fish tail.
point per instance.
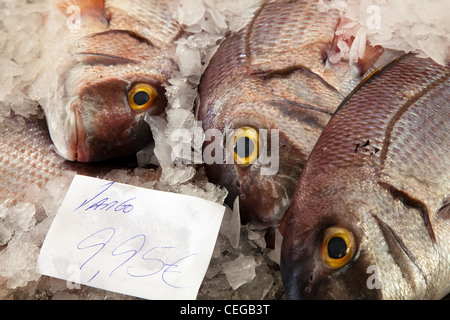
(93, 8)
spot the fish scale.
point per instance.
(28, 158)
(153, 19)
(20, 167)
(274, 74)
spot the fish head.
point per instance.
(364, 224)
(274, 75)
(102, 95)
(102, 118)
(257, 161)
(336, 245)
(108, 118)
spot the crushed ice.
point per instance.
(416, 26)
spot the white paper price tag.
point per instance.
(135, 241)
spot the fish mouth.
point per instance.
(293, 274)
(267, 213)
(262, 217)
(301, 274)
(76, 145)
(295, 284)
(290, 280)
(80, 147)
(93, 143)
(265, 206)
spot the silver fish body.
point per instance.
(370, 218)
(273, 75)
(100, 55)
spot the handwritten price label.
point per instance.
(136, 241)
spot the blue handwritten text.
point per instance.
(102, 204)
(136, 262)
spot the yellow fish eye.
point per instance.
(245, 145)
(338, 247)
(142, 96)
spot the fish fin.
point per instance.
(411, 202)
(340, 53)
(406, 262)
(350, 45)
(370, 57)
(283, 222)
(94, 8)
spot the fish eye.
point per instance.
(338, 247)
(245, 145)
(142, 96)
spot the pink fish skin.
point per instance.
(28, 160)
(370, 217)
(274, 74)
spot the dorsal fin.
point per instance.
(350, 45)
(371, 56)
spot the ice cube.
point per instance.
(275, 254)
(257, 237)
(191, 12)
(162, 149)
(54, 192)
(119, 175)
(216, 22)
(435, 48)
(15, 219)
(240, 271)
(234, 229)
(18, 261)
(147, 156)
(188, 59)
(258, 287)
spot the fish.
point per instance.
(105, 65)
(370, 218)
(272, 75)
(28, 159)
(18, 136)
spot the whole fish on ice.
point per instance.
(273, 75)
(370, 218)
(107, 64)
